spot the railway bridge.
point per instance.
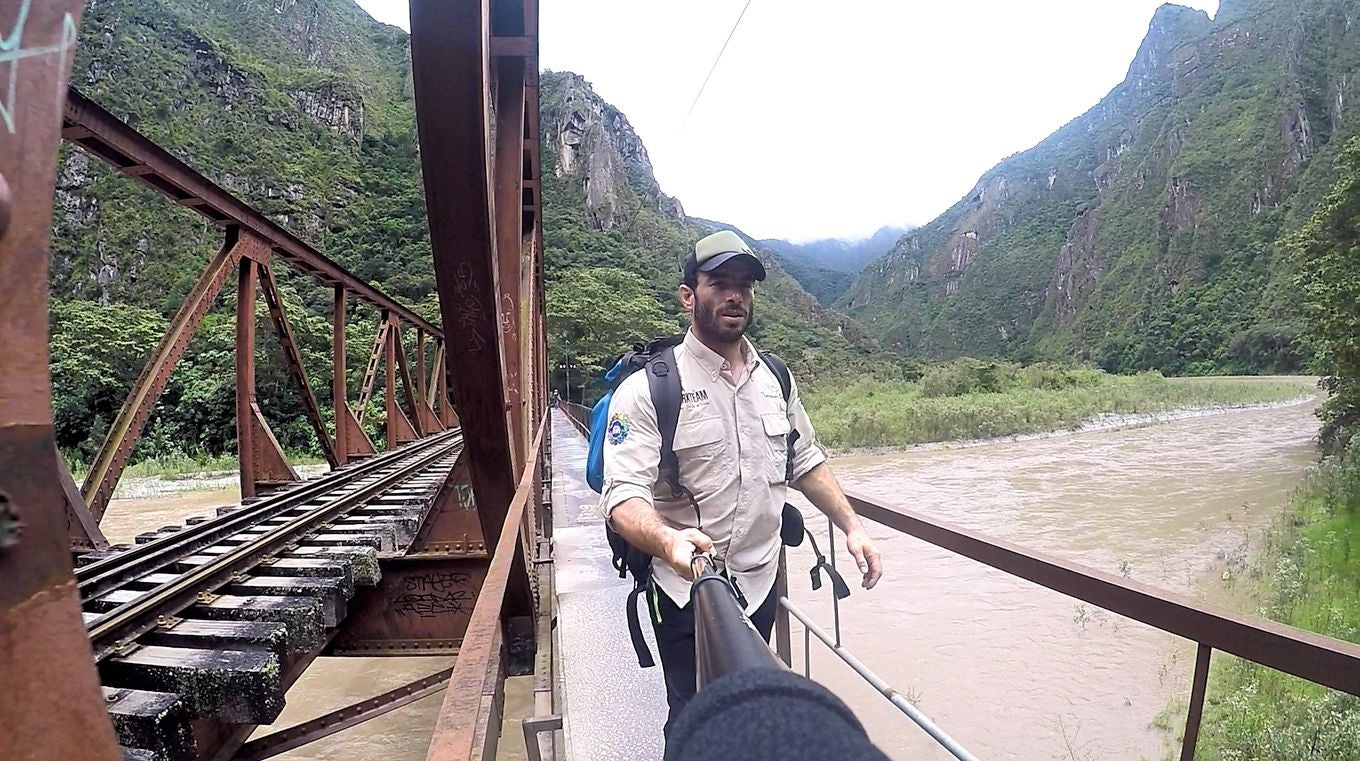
(433, 532)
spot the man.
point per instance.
(731, 443)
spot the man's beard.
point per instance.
(709, 322)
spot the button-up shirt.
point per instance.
(731, 442)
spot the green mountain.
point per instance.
(603, 209)
(826, 268)
(304, 108)
(1143, 233)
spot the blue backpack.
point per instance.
(663, 381)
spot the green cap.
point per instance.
(713, 251)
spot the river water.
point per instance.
(1010, 669)
(1013, 670)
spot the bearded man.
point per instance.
(732, 443)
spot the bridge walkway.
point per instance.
(614, 710)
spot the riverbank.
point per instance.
(1310, 574)
(160, 476)
(877, 415)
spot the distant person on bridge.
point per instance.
(732, 440)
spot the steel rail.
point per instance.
(108, 573)
(885, 689)
(136, 617)
(110, 139)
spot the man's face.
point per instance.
(723, 301)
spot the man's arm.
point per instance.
(637, 521)
(819, 485)
(632, 455)
(813, 477)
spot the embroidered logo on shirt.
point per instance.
(691, 397)
(619, 425)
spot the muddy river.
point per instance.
(1013, 670)
(1010, 669)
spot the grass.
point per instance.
(967, 399)
(1312, 569)
(186, 466)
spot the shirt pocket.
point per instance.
(699, 447)
(777, 430)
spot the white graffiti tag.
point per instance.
(12, 51)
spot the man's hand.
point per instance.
(682, 547)
(866, 556)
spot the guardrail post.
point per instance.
(782, 644)
(835, 599)
(1196, 712)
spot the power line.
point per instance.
(714, 67)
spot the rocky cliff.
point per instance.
(1144, 232)
(604, 208)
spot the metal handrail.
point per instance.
(456, 735)
(578, 414)
(893, 696)
(1317, 658)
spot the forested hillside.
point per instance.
(614, 242)
(826, 268)
(304, 108)
(1145, 233)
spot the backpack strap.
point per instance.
(663, 381)
(781, 371)
(644, 654)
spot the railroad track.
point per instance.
(198, 630)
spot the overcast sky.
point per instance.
(830, 119)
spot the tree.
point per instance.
(1329, 249)
(594, 315)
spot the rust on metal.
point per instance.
(371, 369)
(1327, 661)
(112, 458)
(408, 391)
(450, 68)
(42, 641)
(399, 428)
(452, 527)
(81, 527)
(339, 388)
(509, 174)
(456, 728)
(357, 441)
(271, 464)
(292, 358)
(1196, 711)
(110, 139)
(245, 375)
(420, 605)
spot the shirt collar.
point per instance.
(712, 361)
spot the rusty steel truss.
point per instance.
(475, 66)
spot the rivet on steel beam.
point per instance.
(11, 528)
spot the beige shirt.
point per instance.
(731, 442)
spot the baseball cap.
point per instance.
(713, 251)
